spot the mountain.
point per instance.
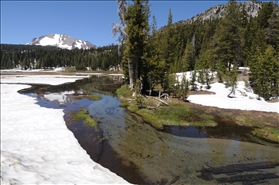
(62, 41)
(215, 12)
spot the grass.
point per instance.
(124, 91)
(271, 134)
(88, 96)
(174, 114)
(87, 118)
(246, 121)
(180, 113)
(94, 97)
(70, 69)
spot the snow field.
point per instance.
(243, 99)
(40, 79)
(37, 147)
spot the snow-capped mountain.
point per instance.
(215, 12)
(62, 41)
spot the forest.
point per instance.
(41, 57)
(153, 56)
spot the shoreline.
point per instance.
(36, 145)
(204, 116)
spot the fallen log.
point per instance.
(248, 178)
(165, 103)
(236, 168)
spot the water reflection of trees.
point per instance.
(227, 129)
(101, 84)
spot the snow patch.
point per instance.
(243, 99)
(37, 147)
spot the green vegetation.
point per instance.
(158, 116)
(246, 121)
(37, 57)
(88, 96)
(87, 118)
(270, 134)
(70, 69)
(94, 97)
(152, 55)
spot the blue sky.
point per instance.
(21, 21)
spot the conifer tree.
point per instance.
(188, 58)
(272, 30)
(155, 66)
(167, 55)
(137, 31)
(228, 44)
(204, 66)
(265, 72)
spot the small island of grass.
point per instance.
(87, 118)
(157, 114)
(88, 96)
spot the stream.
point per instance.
(140, 154)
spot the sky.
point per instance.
(91, 20)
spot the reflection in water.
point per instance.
(142, 155)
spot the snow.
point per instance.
(243, 99)
(46, 41)
(78, 44)
(64, 46)
(59, 69)
(39, 79)
(36, 146)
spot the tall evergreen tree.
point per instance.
(137, 31)
(188, 58)
(272, 30)
(228, 44)
(265, 72)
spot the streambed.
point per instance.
(139, 153)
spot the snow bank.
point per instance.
(40, 79)
(243, 99)
(37, 147)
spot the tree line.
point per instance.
(39, 57)
(152, 55)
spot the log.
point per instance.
(165, 103)
(236, 168)
(248, 178)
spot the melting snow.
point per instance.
(36, 146)
(49, 41)
(41, 79)
(243, 99)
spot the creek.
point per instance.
(140, 154)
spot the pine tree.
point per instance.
(228, 45)
(188, 58)
(265, 14)
(184, 87)
(265, 72)
(204, 66)
(155, 66)
(137, 31)
(272, 30)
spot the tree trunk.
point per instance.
(136, 71)
(130, 74)
(150, 86)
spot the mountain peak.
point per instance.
(218, 11)
(62, 41)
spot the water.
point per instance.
(134, 150)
